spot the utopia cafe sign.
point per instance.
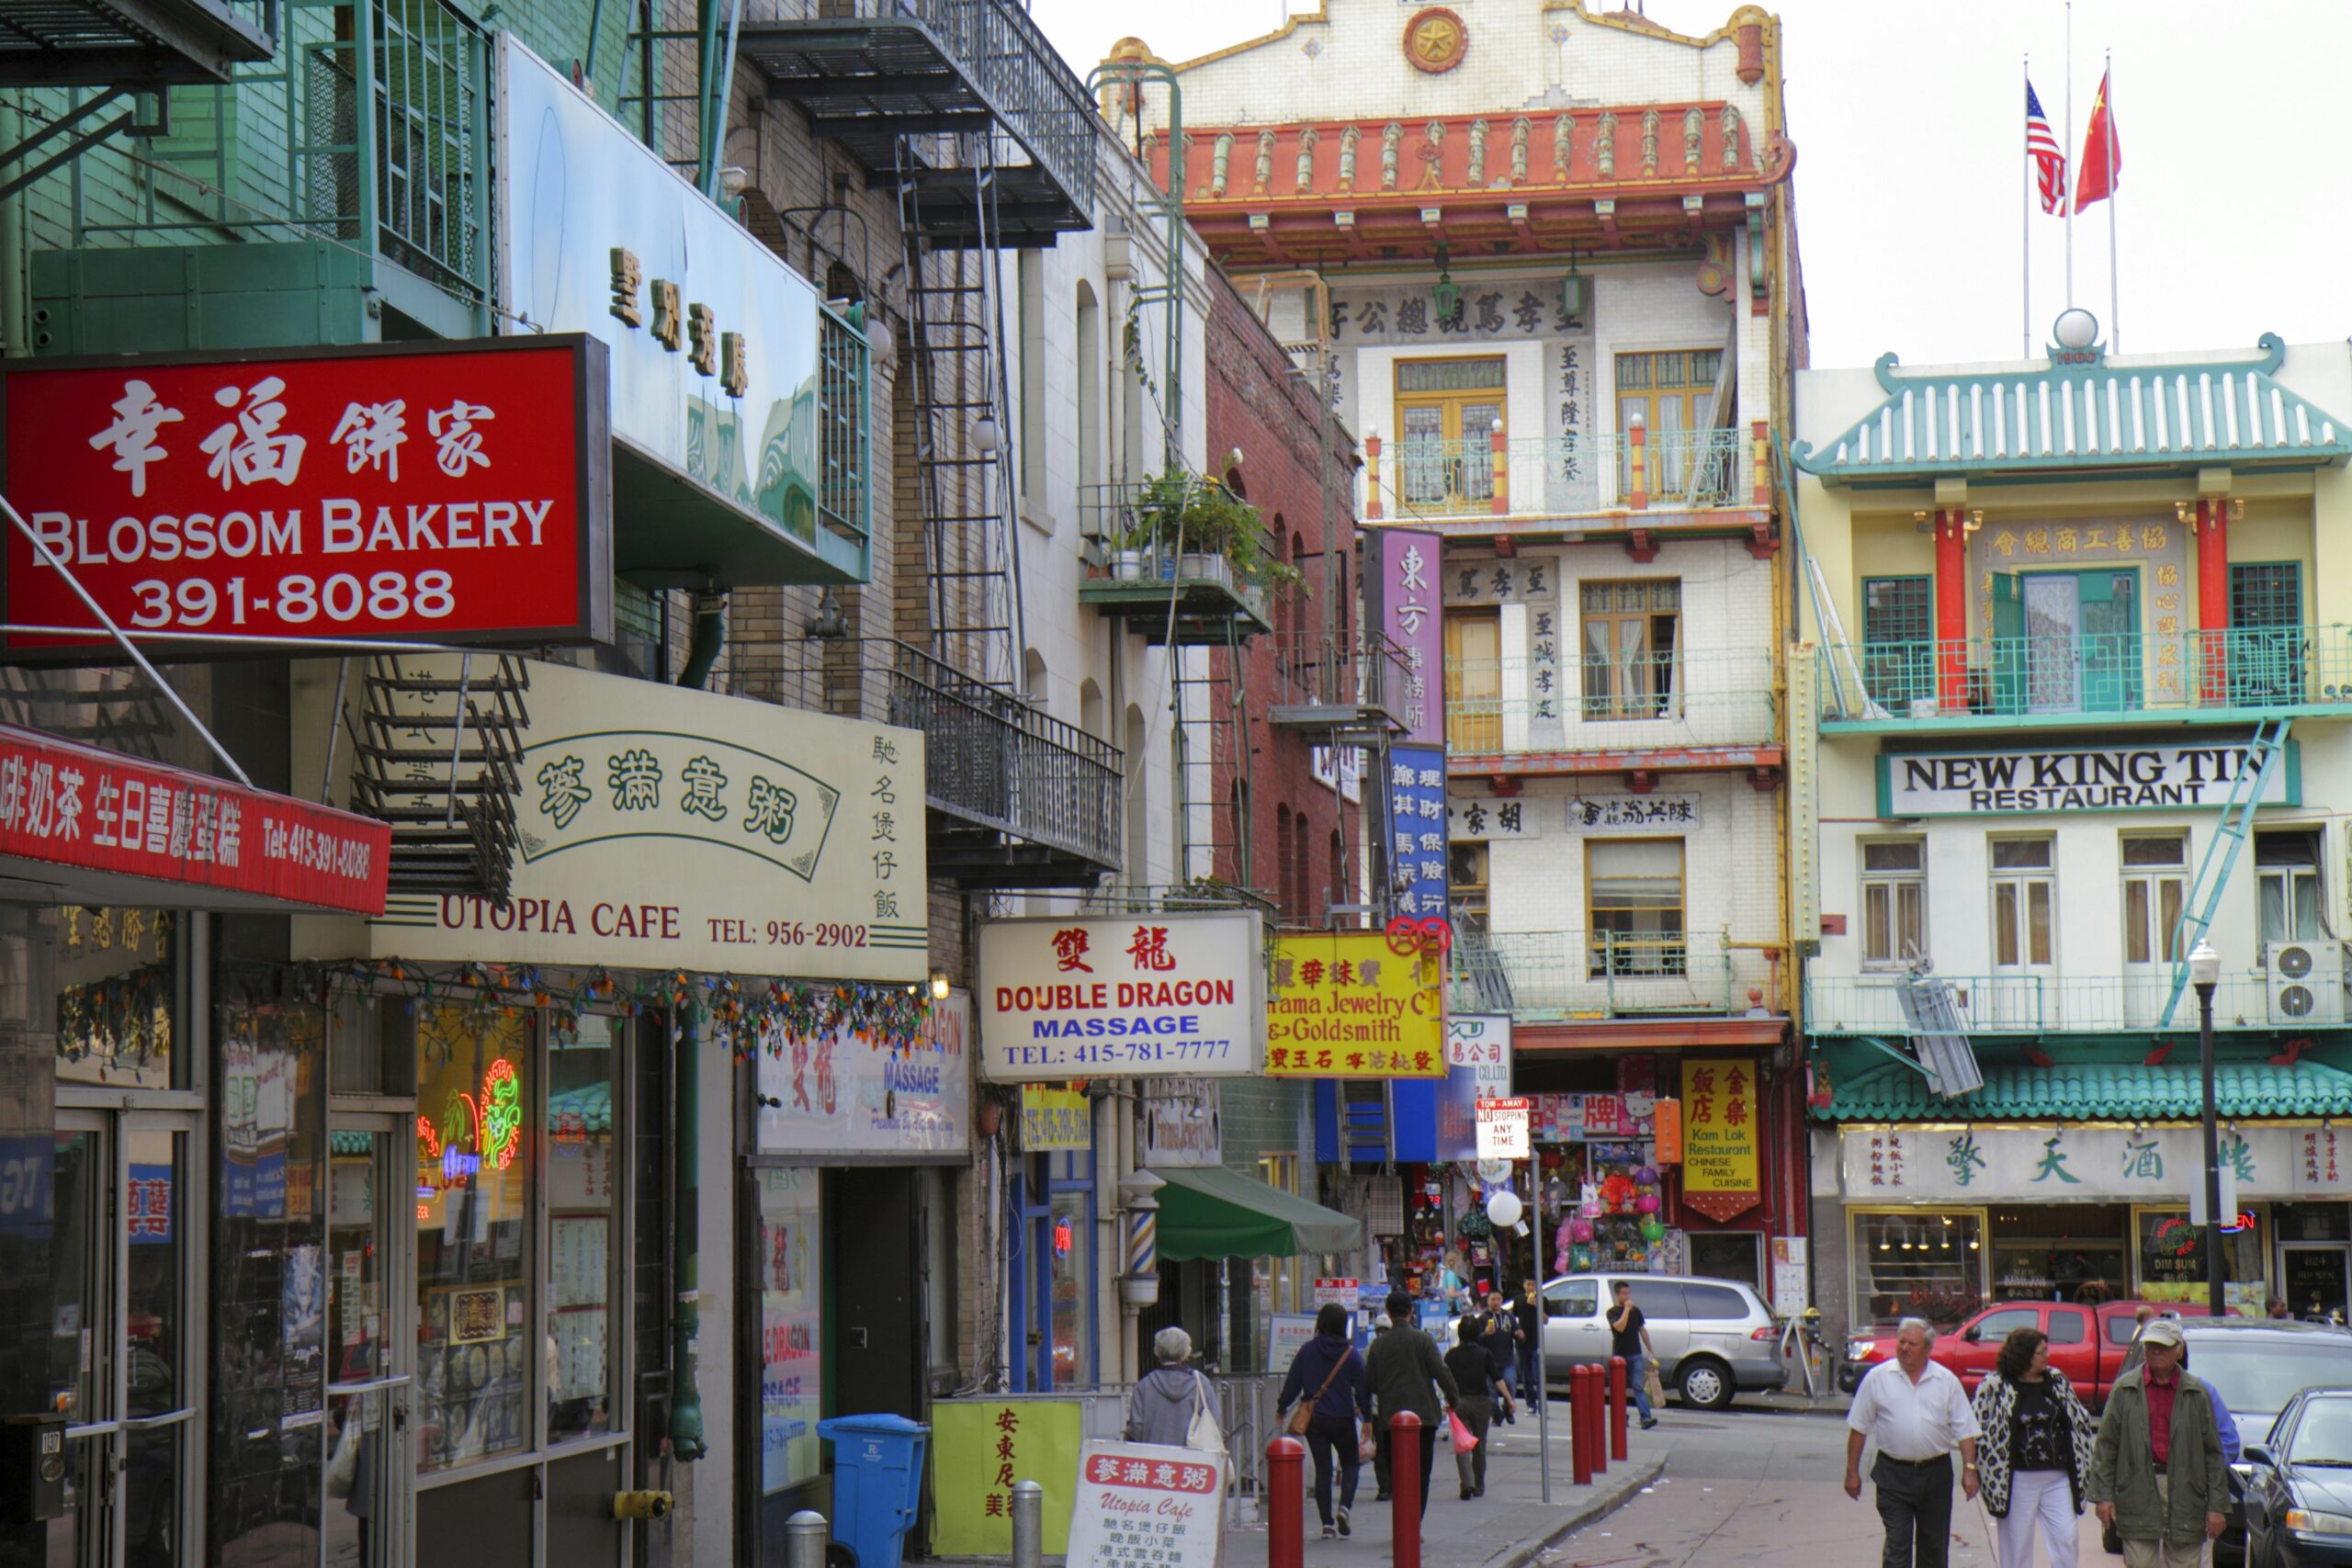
(2189, 777)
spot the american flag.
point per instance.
(2049, 160)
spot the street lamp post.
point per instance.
(2205, 973)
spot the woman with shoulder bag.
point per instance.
(1324, 1394)
(2035, 1455)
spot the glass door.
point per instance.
(122, 1342)
(370, 1243)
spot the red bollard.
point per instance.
(1617, 1407)
(1596, 1422)
(1285, 1503)
(1580, 1445)
(1404, 1439)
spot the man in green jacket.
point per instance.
(1404, 1362)
(2158, 1474)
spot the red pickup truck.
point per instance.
(2086, 1343)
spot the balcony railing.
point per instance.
(992, 762)
(1899, 685)
(1560, 475)
(2047, 1004)
(1717, 697)
(376, 136)
(1318, 678)
(1590, 974)
(68, 42)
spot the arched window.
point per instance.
(1286, 896)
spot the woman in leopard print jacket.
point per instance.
(2035, 1454)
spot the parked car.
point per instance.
(1715, 1338)
(2086, 1343)
(2259, 1365)
(2298, 1485)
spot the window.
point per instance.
(2021, 897)
(1446, 411)
(1996, 1326)
(1340, 890)
(1630, 633)
(2286, 868)
(2266, 648)
(1713, 1304)
(1898, 640)
(1672, 396)
(119, 975)
(791, 1287)
(1572, 1298)
(583, 1181)
(1634, 897)
(2067, 1327)
(1286, 895)
(1474, 680)
(1894, 901)
(1467, 872)
(2066, 641)
(2155, 879)
(1924, 1261)
(1660, 1300)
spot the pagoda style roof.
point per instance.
(2081, 413)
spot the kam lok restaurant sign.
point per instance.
(2075, 778)
(1136, 995)
(444, 492)
(660, 828)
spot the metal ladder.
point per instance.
(1210, 707)
(2262, 756)
(955, 318)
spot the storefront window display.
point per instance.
(2060, 1252)
(790, 1263)
(1073, 1231)
(119, 984)
(581, 1182)
(2172, 1258)
(1918, 1263)
(1614, 1219)
(474, 1192)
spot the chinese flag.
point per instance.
(2102, 164)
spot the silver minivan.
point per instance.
(1713, 1338)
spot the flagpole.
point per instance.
(2114, 300)
(2025, 222)
(2068, 144)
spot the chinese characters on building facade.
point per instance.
(1417, 837)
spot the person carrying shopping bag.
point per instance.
(1327, 1385)
(2034, 1457)
(1480, 1379)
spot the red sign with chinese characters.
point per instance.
(443, 492)
(75, 806)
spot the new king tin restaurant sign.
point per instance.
(2075, 778)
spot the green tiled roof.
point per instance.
(2093, 1091)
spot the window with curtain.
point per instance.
(1634, 896)
(2286, 865)
(1630, 637)
(1894, 901)
(2023, 889)
(2155, 880)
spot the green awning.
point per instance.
(2101, 1091)
(1207, 1211)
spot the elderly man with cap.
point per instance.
(2158, 1475)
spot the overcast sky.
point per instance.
(2237, 130)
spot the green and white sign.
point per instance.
(2189, 777)
(660, 828)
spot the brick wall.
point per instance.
(1297, 468)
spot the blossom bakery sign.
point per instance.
(1138, 996)
(2076, 778)
(445, 492)
(78, 816)
(663, 828)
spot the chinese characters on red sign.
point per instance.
(368, 492)
(74, 806)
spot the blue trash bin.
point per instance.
(877, 1484)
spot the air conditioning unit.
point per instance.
(2304, 982)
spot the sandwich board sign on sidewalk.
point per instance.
(1142, 1506)
(1502, 1129)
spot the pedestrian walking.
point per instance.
(1478, 1377)
(1628, 1336)
(2035, 1455)
(1327, 1365)
(1917, 1413)
(1381, 1324)
(1527, 1331)
(1501, 1338)
(1171, 1397)
(2159, 1478)
(1408, 1373)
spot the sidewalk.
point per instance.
(1508, 1527)
(1794, 1401)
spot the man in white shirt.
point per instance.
(1917, 1413)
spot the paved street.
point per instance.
(1758, 1487)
